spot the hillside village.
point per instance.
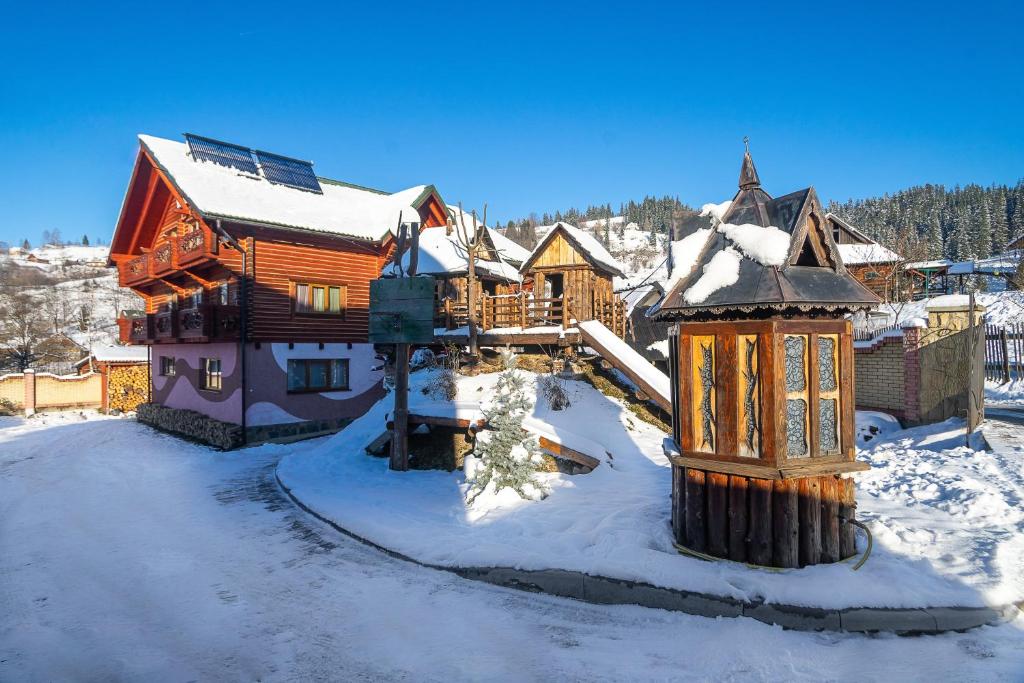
(729, 419)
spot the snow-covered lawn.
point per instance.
(130, 555)
(927, 500)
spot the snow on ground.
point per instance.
(131, 555)
(1011, 392)
(873, 426)
(928, 499)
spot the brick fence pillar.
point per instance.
(29, 384)
(912, 370)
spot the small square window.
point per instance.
(167, 368)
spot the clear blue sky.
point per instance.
(526, 108)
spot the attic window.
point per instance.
(807, 256)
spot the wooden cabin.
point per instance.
(876, 267)
(255, 273)
(442, 256)
(761, 363)
(570, 268)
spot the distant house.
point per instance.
(875, 266)
(125, 373)
(1016, 245)
(32, 258)
(218, 238)
(57, 354)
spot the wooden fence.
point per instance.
(1004, 352)
(522, 311)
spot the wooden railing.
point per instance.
(209, 322)
(177, 252)
(523, 311)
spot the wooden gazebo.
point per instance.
(761, 362)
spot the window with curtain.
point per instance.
(317, 374)
(312, 298)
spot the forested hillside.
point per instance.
(653, 215)
(959, 223)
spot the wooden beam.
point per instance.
(154, 179)
(562, 451)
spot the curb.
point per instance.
(601, 590)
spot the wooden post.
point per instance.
(448, 314)
(847, 510)
(400, 434)
(695, 528)
(1006, 352)
(718, 522)
(522, 310)
(759, 548)
(738, 518)
(565, 311)
(810, 521)
(830, 494)
(785, 552)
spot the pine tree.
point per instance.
(983, 233)
(508, 456)
(85, 240)
(1000, 225)
(25, 245)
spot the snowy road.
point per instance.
(128, 555)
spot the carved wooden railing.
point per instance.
(135, 270)
(209, 322)
(177, 252)
(162, 259)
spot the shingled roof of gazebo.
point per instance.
(758, 253)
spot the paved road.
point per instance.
(127, 555)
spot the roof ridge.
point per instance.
(354, 186)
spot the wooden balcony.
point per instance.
(523, 311)
(180, 251)
(209, 322)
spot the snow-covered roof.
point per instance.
(929, 265)
(587, 242)
(442, 254)
(225, 192)
(509, 251)
(859, 254)
(110, 353)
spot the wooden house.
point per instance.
(442, 256)
(570, 267)
(761, 363)
(255, 273)
(876, 267)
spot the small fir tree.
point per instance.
(508, 456)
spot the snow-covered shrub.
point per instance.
(506, 457)
(552, 388)
(423, 358)
(444, 387)
(7, 407)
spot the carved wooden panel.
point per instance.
(749, 397)
(702, 400)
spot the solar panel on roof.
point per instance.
(287, 171)
(223, 153)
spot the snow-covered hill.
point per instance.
(75, 293)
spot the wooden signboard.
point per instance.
(402, 310)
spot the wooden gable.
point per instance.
(811, 243)
(558, 250)
(151, 206)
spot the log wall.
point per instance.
(776, 523)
